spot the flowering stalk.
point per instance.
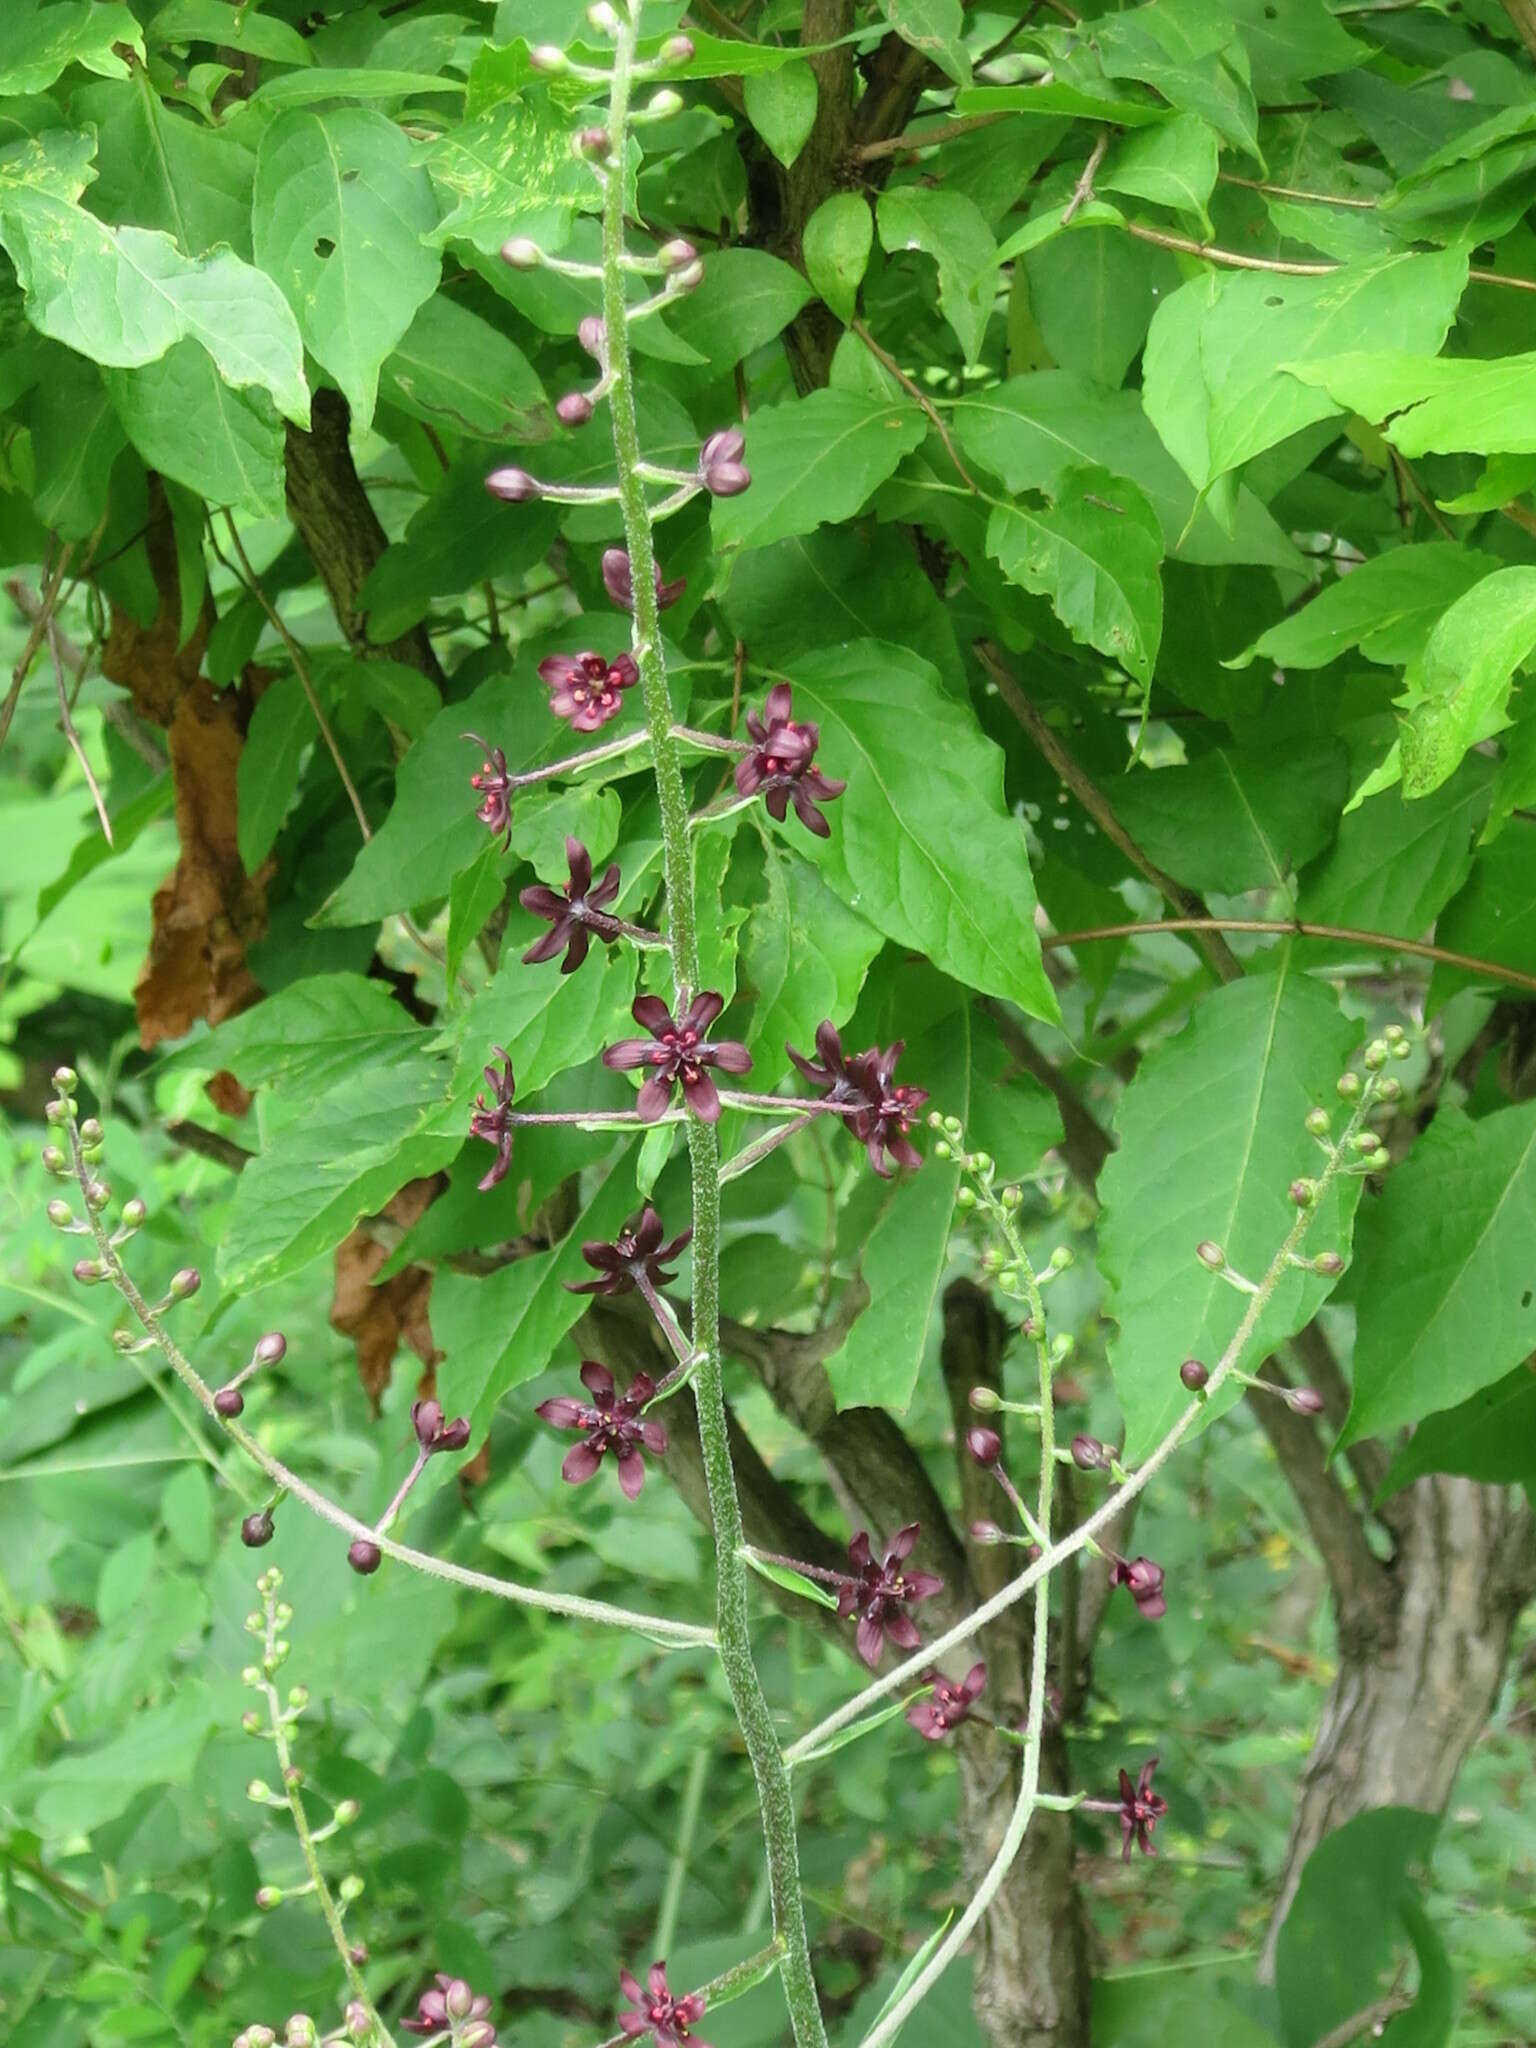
(108, 1267)
(732, 1628)
(272, 1619)
(1083, 1536)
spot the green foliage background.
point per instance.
(1173, 370)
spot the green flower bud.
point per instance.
(1318, 1121)
(90, 1131)
(964, 1197)
(97, 1196)
(347, 1812)
(250, 1721)
(134, 1213)
(1062, 1258)
(267, 1897)
(1210, 1255)
(984, 1400)
(54, 1160)
(60, 1215)
(1349, 1087)
(298, 1698)
(1303, 1193)
(664, 104)
(1330, 1263)
(350, 1889)
(300, 2031)
(64, 1079)
(251, 1675)
(259, 1792)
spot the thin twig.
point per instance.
(1082, 191)
(923, 138)
(1293, 192)
(68, 725)
(35, 638)
(914, 391)
(1298, 928)
(300, 669)
(1234, 259)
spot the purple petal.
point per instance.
(544, 947)
(702, 1097)
(654, 1436)
(628, 1053)
(562, 1411)
(730, 1057)
(902, 1630)
(581, 1461)
(580, 863)
(701, 1012)
(651, 1014)
(597, 1379)
(904, 1542)
(654, 1099)
(870, 1642)
(631, 1474)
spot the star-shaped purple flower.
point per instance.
(576, 914)
(949, 1704)
(780, 764)
(669, 2021)
(494, 784)
(886, 1110)
(619, 581)
(491, 1120)
(587, 689)
(1138, 1808)
(678, 1054)
(881, 1594)
(636, 1253)
(609, 1422)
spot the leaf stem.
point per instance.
(775, 1798)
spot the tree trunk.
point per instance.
(1032, 1986)
(1407, 1706)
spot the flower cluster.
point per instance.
(1143, 1580)
(453, 2010)
(948, 1704)
(492, 1120)
(882, 1111)
(655, 2011)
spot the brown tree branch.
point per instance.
(1085, 1143)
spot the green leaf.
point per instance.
(86, 1788)
(1093, 295)
(1052, 100)
(42, 42)
(1394, 865)
(1458, 689)
(1033, 431)
(1211, 1137)
(342, 1158)
(804, 955)
(1094, 553)
(76, 440)
(339, 216)
(1290, 41)
(1172, 166)
(301, 88)
(1385, 607)
(1445, 1250)
(457, 370)
(935, 27)
(781, 105)
(790, 1581)
(187, 423)
(282, 727)
(244, 29)
(1491, 1437)
(1435, 404)
(472, 895)
(1492, 917)
(923, 816)
(1220, 375)
(747, 298)
(953, 231)
(1238, 819)
(814, 459)
(549, 1022)
(125, 296)
(835, 243)
(186, 1508)
(903, 1258)
(157, 167)
(502, 1330)
(1345, 1928)
(915, 1965)
(310, 1035)
(509, 170)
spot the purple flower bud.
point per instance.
(64, 1078)
(1210, 1255)
(1303, 1193)
(267, 1897)
(574, 410)
(516, 486)
(676, 254)
(427, 1421)
(90, 1132)
(185, 1283)
(359, 2022)
(678, 49)
(721, 469)
(984, 1445)
(89, 1272)
(592, 335)
(258, 1529)
(271, 1349)
(364, 1557)
(53, 1159)
(689, 278)
(1194, 1374)
(1088, 1454)
(986, 1532)
(1305, 1400)
(1329, 1263)
(228, 1402)
(591, 143)
(520, 253)
(60, 1215)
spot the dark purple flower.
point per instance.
(576, 915)
(258, 1529)
(433, 1432)
(609, 1422)
(780, 764)
(1139, 1809)
(883, 1127)
(679, 1054)
(721, 470)
(454, 2009)
(949, 1704)
(984, 1445)
(1144, 1581)
(882, 1592)
(364, 1556)
(636, 1252)
(1088, 1454)
(619, 582)
(494, 784)
(587, 689)
(669, 2021)
(886, 1112)
(491, 1120)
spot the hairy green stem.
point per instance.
(733, 1632)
